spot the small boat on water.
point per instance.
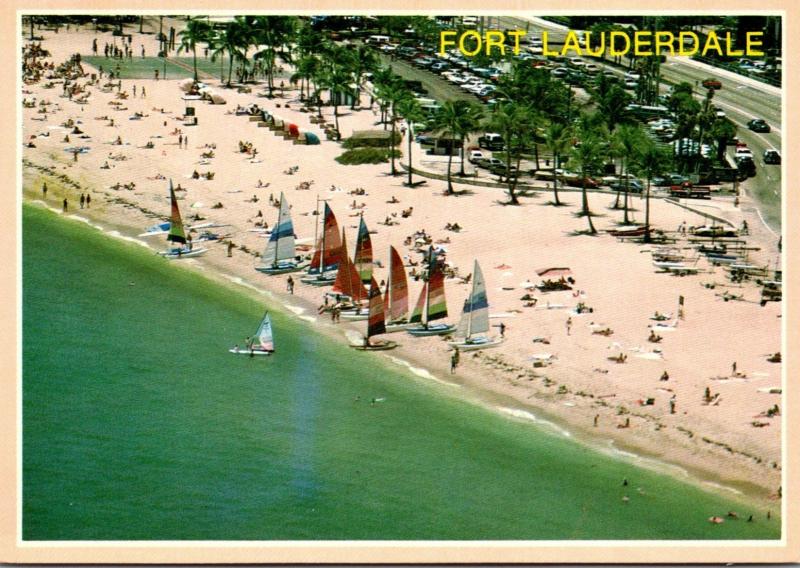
(327, 256)
(376, 324)
(178, 235)
(261, 343)
(280, 254)
(432, 304)
(474, 323)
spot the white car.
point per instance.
(631, 84)
(576, 62)
(475, 156)
(632, 77)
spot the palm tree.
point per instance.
(447, 124)
(362, 59)
(557, 141)
(233, 40)
(273, 32)
(588, 156)
(470, 123)
(196, 30)
(409, 109)
(515, 121)
(628, 138)
(337, 79)
(652, 160)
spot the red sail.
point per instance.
(332, 243)
(348, 282)
(376, 324)
(397, 296)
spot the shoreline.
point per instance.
(614, 277)
(540, 418)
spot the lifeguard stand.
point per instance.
(189, 116)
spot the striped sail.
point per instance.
(397, 288)
(330, 243)
(416, 315)
(475, 316)
(363, 257)
(348, 282)
(264, 334)
(376, 324)
(437, 305)
(281, 241)
(176, 233)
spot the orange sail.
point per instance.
(397, 289)
(348, 281)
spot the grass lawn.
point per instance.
(144, 67)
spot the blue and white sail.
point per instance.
(475, 314)
(280, 246)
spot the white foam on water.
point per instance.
(719, 486)
(311, 319)
(86, 221)
(420, 372)
(240, 282)
(354, 337)
(296, 310)
(119, 235)
(650, 463)
(41, 203)
(525, 415)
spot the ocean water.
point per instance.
(138, 424)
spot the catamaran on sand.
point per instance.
(178, 235)
(431, 304)
(474, 323)
(280, 255)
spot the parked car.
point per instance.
(758, 125)
(490, 163)
(712, 83)
(772, 156)
(559, 72)
(491, 141)
(440, 66)
(633, 185)
(476, 156)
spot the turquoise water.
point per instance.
(137, 424)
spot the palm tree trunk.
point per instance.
(462, 173)
(336, 111)
(194, 60)
(586, 211)
(536, 154)
(230, 69)
(408, 131)
(647, 213)
(449, 172)
(556, 161)
(391, 146)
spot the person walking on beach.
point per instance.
(82, 200)
(185, 142)
(502, 329)
(672, 404)
(65, 205)
(569, 325)
(88, 200)
(454, 360)
(44, 190)
(290, 285)
(180, 140)
(596, 418)
(733, 368)
(230, 249)
(134, 90)
(144, 92)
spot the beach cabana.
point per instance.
(294, 132)
(311, 138)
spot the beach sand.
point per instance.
(717, 442)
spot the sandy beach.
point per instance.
(726, 438)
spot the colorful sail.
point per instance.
(437, 305)
(281, 241)
(416, 315)
(348, 282)
(264, 334)
(176, 233)
(397, 288)
(475, 315)
(363, 256)
(330, 243)
(376, 324)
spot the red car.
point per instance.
(712, 84)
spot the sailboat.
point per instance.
(363, 256)
(348, 286)
(177, 234)
(279, 256)
(396, 297)
(431, 304)
(261, 343)
(475, 318)
(376, 325)
(327, 256)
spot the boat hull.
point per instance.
(255, 352)
(475, 345)
(172, 255)
(382, 346)
(280, 269)
(396, 327)
(438, 329)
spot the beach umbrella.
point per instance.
(186, 85)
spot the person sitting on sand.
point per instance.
(195, 175)
(118, 141)
(393, 200)
(105, 166)
(664, 376)
(653, 338)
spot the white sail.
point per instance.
(264, 334)
(475, 314)
(281, 241)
